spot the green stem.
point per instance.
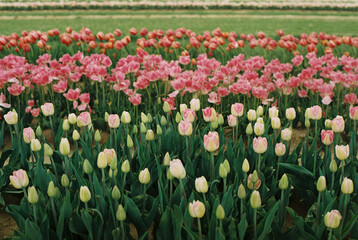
(35, 213)
(91, 182)
(103, 182)
(183, 190)
(315, 150)
(212, 177)
(241, 207)
(255, 219)
(259, 163)
(330, 234)
(342, 176)
(278, 168)
(199, 226)
(332, 184)
(318, 207)
(145, 197)
(53, 211)
(123, 231)
(281, 208)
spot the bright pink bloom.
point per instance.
(353, 113)
(351, 98)
(260, 145)
(84, 119)
(113, 121)
(135, 99)
(209, 114)
(211, 141)
(214, 98)
(16, 89)
(85, 98)
(297, 60)
(2, 102)
(31, 103)
(72, 95)
(327, 137)
(35, 112)
(60, 87)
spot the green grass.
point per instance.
(342, 23)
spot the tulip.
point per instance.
(75, 135)
(35, 145)
(149, 135)
(84, 119)
(259, 128)
(65, 182)
(97, 136)
(241, 193)
(260, 111)
(237, 109)
(143, 118)
(106, 115)
(72, 119)
(166, 107)
(125, 117)
(332, 219)
(189, 115)
(183, 107)
(226, 165)
(280, 149)
(353, 113)
(342, 152)
(196, 209)
(19, 179)
(290, 114)
(201, 185)
(209, 114)
(11, 118)
(143, 128)
(260, 145)
(255, 199)
(275, 123)
(125, 167)
(166, 160)
(220, 212)
(163, 121)
(251, 115)
(85, 194)
(222, 171)
(121, 214)
(32, 195)
(347, 186)
(113, 121)
(249, 130)
(48, 150)
(232, 121)
(144, 176)
(283, 184)
(150, 118)
(65, 125)
(315, 113)
(116, 194)
(338, 124)
(286, 134)
(64, 146)
(102, 160)
(253, 181)
(327, 137)
(177, 169)
(28, 135)
(211, 141)
(273, 112)
(214, 124)
(185, 128)
(38, 132)
(51, 190)
(87, 167)
(129, 142)
(321, 184)
(47, 109)
(328, 123)
(245, 166)
(220, 120)
(178, 117)
(195, 104)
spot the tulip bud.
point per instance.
(35, 145)
(260, 111)
(144, 176)
(72, 119)
(87, 167)
(259, 128)
(113, 121)
(143, 128)
(283, 184)
(275, 123)
(101, 160)
(58, 193)
(201, 185)
(183, 107)
(11, 117)
(290, 114)
(347, 186)
(150, 135)
(321, 184)
(97, 136)
(169, 175)
(32, 195)
(159, 130)
(254, 177)
(116, 194)
(260, 145)
(342, 152)
(125, 168)
(121, 213)
(196, 209)
(51, 191)
(222, 171)
(163, 121)
(280, 149)
(85, 194)
(19, 179)
(255, 199)
(251, 115)
(273, 112)
(214, 124)
(166, 107)
(332, 219)
(327, 124)
(64, 146)
(143, 118)
(106, 115)
(48, 150)
(112, 173)
(113, 163)
(65, 125)
(64, 181)
(286, 134)
(249, 130)
(195, 104)
(38, 132)
(220, 212)
(166, 159)
(221, 119)
(75, 135)
(125, 117)
(135, 129)
(177, 169)
(245, 166)
(241, 193)
(227, 165)
(333, 166)
(338, 124)
(307, 123)
(178, 117)
(129, 142)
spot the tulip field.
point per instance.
(179, 134)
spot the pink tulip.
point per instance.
(47, 109)
(28, 135)
(189, 114)
(113, 121)
(315, 113)
(19, 179)
(185, 128)
(209, 114)
(84, 119)
(337, 124)
(72, 95)
(353, 113)
(135, 99)
(260, 145)
(232, 121)
(250, 183)
(237, 109)
(211, 141)
(16, 89)
(327, 137)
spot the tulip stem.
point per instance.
(199, 226)
(237, 130)
(281, 220)
(35, 213)
(342, 176)
(241, 207)
(91, 182)
(212, 167)
(123, 232)
(103, 182)
(53, 211)
(224, 185)
(315, 150)
(33, 158)
(207, 207)
(67, 167)
(52, 130)
(54, 168)
(255, 219)
(183, 190)
(330, 234)
(145, 197)
(346, 199)
(332, 184)
(259, 163)
(278, 168)
(318, 207)
(187, 148)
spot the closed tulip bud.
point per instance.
(321, 184)
(183, 107)
(249, 130)
(196, 209)
(342, 152)
(260, 145)
(48, 150)
(35, 145)
(169, 175)
(72, 119)
(177, 169)
(51, 191)
(201, 185)
(121, 213)
(129, 142)
(353, 113)
(166, 107)
(85, 194)
(237, 109)
(163, 121)
(232, 121)
(214, 124)
(275, 123)
(135, 129)
(64, 181)
(101, 160)
(290, 114)
(11, 117)
(260, 111)
(113, 121)
(125, 168)
(112, 173)
(273, 112)
(58, 193)
(75, 135)
(166, 160)
(347, 186)
(255, 199)
(259, 128)
(280, 149)
(283, 184)
(150, 135)
(307, 123)
(338, 124)
(19, 179)
(150, 118)
(245, 166)
(227, 165)
(251, 115)
(64, 146)
(332, 219)
(286, 134)
(195, 104)
(106, 115)
(38, 132)
(143, 128)
(97, 136)
(254, 177)
(113, 164)
(65, 125)
(178, 117)
(222, 171)
(333, 166)
(327, 124)
(144, 176)
(221, 119)
(241, 193)
(87, 167)
(159, 130)
(116, 194)
(32, 195)
(125, 117)
(220, 212)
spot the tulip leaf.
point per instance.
(134, 215)
(218, 234)
(178, 220)
(153, 212)
(87, 221)
(165, 226)
(301, 225)
(296, 168)
(32, 231)
(2, 134)
(348, 226)
(242, 226)
(266, 223)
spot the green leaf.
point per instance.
(301, 225)
(32, 231)
(87, 221)
(348, 226)
(242, 226)
(219, 235)
(267, 221)
(165, 226)
(134, 215)
(296, 168)
(178, 220)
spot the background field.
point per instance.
(248, 21)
